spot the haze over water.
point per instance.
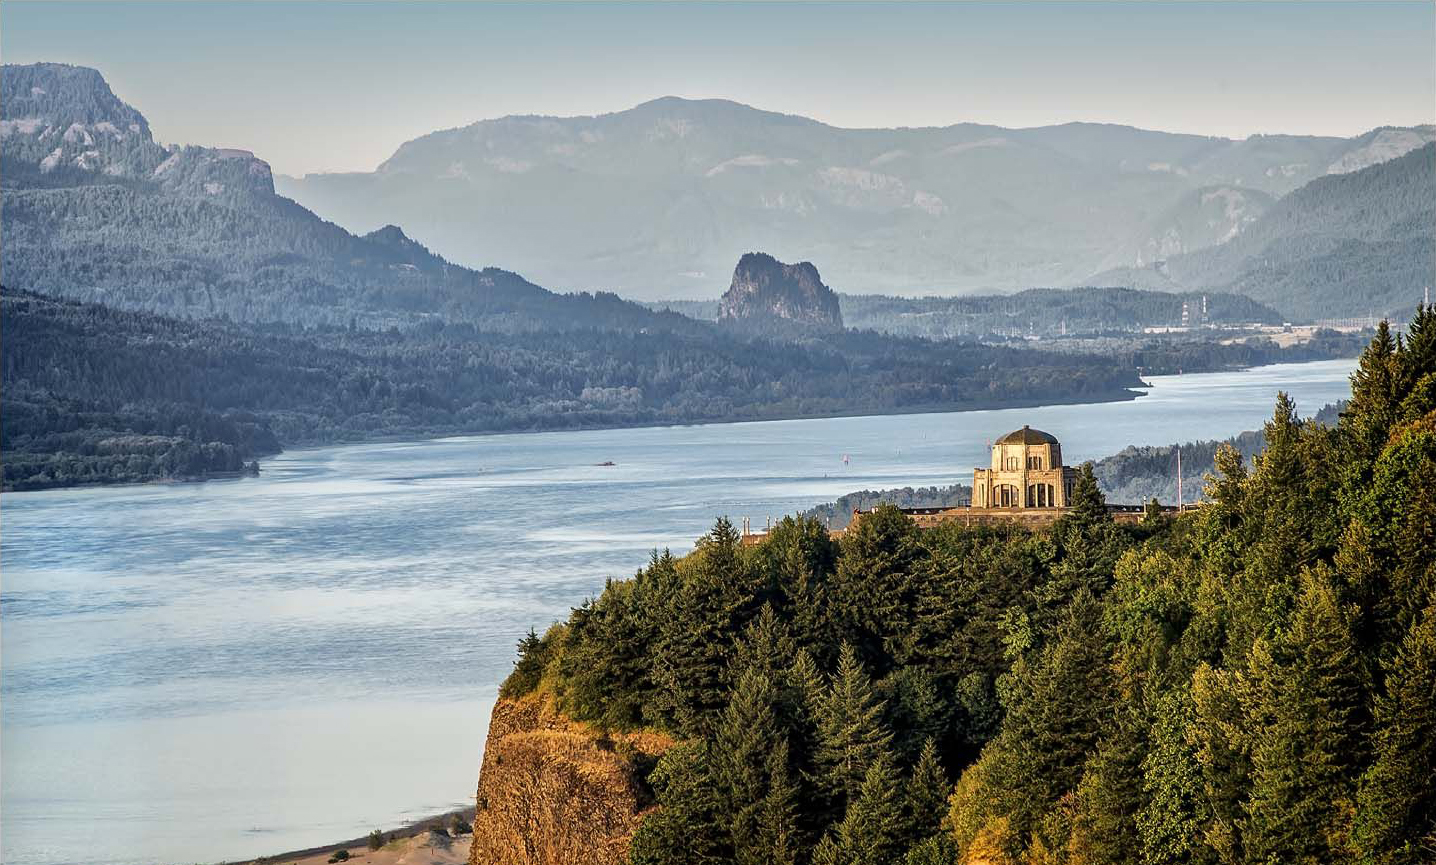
(197, 672)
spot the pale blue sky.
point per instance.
(338, 86)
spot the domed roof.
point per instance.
(1028, 436)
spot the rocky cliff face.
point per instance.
(767, 294)
(63, 126)
(555, 792)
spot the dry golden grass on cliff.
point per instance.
(554, 791)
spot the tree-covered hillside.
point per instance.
(1049, 312)
(1037, 312)
(1347, 245)
(1248, 683)
(84, 384)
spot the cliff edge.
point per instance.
(553, 791)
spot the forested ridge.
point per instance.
(95, 394)
(1344, 245)
(1248, 683)
(1038, 311)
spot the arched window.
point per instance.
(1041, 496)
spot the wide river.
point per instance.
(197, 672)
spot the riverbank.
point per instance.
(54, 444)
(431, 841)
(1124, 395)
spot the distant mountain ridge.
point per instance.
(1343, 246)
(94, 209)
(659, 200)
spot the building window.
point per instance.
(1034, 463)
(1041, 496)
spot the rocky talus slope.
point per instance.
(554, 792)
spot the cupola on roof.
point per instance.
(1028, 436)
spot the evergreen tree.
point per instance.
(799, 558)
(935, 850)
(688, 826)
(803, 698)
(1110, 793)
(1057, 709)
(1282, 516)
(1089, 544)
(1223, 751)
(604, 665)
(529, 667)
(1306, 724)
(872, 829)
(1374, 401)
(745, 737)
(717, 595)
(1174, 812)
(1088, 505)
(873, 587)
(851, 735)
(1396, 806)
(767, 645)
(927, 793)
(1417, 377)
(779, 839)
(915, 709)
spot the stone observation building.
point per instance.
(1026, 484)
(1027, 472)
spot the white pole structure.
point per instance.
(1179, 479)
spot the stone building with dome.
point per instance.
(1026, 472)
(1026, 484)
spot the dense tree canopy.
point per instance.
(1249, 683)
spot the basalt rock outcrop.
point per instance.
(770, 297)
(555, 792)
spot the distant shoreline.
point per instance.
(408, 830)
(1128, 394)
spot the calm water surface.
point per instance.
(197, 672)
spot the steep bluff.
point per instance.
(767, 295)
(553, 791)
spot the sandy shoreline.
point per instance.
(414, 844)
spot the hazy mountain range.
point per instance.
(659, 200)
(1346, 245)
(96, 210)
